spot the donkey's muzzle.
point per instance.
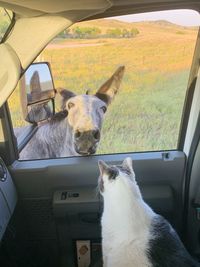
(92, 134)
(86, 141)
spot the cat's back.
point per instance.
(165, 248)
(127, 255)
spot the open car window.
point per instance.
(121, 85)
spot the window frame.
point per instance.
(185, 116)
(193, 77)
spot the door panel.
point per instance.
(160, 176)
(52, 222)
(8, 197)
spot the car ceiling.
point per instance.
(27, 8)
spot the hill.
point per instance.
(164, 23)
(143, 27)
(114, 23)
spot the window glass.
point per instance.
(156, 49)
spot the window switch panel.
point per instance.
(63, 195)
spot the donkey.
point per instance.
(76, 129)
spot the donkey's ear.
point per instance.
(35, 82)
(66, 95)
(109, 89)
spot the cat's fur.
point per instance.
(133, 235)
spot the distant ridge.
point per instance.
(114, 23)
(164, 23)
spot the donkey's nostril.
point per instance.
(96, 134)
(77, 134)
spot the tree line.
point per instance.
(95, 32)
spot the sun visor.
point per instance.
(10, 70)
(58, 6)
(30, 35)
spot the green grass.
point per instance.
(146, 118)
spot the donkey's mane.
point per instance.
(59, 116)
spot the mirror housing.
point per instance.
(37, 93)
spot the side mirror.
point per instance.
(37, 93)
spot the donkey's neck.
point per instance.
(57, 135)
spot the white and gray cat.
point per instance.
(133, 235)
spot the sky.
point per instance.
(182, 17)
(43, 70)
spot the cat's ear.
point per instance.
(127, 164)
(103, 167)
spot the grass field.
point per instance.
(146, 113)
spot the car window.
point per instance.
(121, 85)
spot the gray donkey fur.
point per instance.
(75, 130)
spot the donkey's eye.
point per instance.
(70, 105)
(104, 108)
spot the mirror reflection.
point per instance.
(38, 83)
(37, 93)
(40, 111)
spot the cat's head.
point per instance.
(115, 177)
